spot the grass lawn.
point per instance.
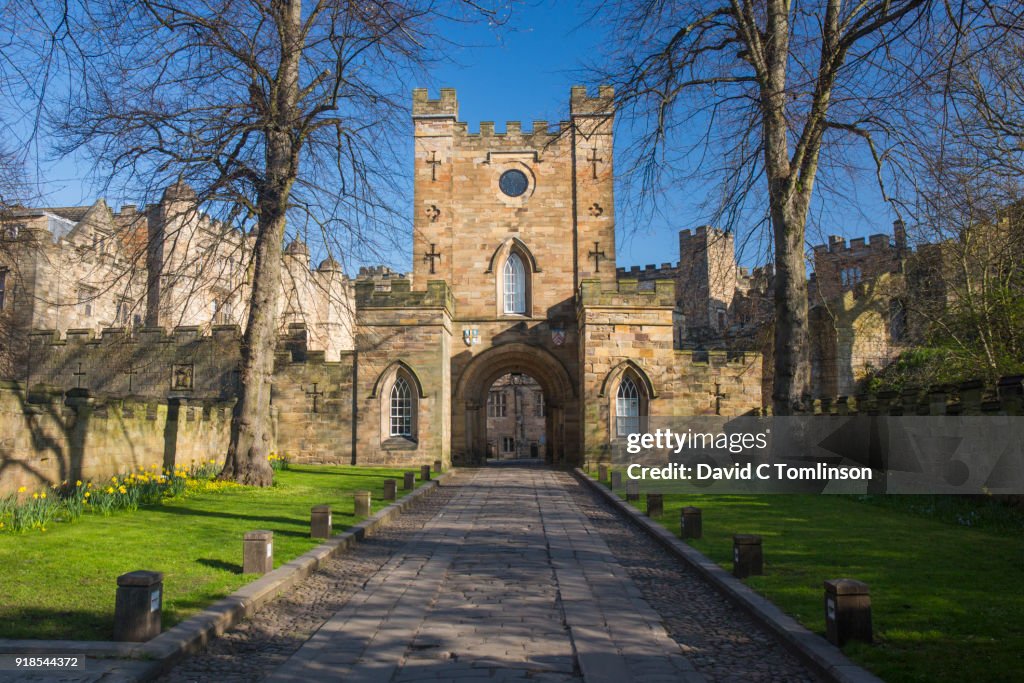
(61, 583)
(946, 599)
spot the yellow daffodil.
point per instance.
(87, 494)
(122, 489)
(78, 483)
(110, 489)
(21, 490)
(43, 494)
(35, 496)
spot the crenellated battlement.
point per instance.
(182, 334)
(651, 271)
(401, 295)
(447, 105)
(974, 397)
(837, 244)
(716, 357)
(628, 293)
(582, 104)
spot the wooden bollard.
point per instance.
(847, 611)
(425, 473)
(257, 552)
(690, 524)
(320, 521)
(602, 473)
(138, 606)
(747, 556)
(362, 503)
(616, 481)
(632, 490)
(390, 489)
(655, 505)
(437, 467)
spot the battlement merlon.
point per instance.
(182, 334)
(401, 295)
(627, 294)
(651, 269)
(446, 106)
(582, 104)
(718, 357)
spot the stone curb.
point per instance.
(198, 630)
(826, 659)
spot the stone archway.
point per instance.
(469, 402)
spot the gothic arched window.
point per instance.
(515, 285)
(401, 408)
(627, 408)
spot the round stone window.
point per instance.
(513, 183)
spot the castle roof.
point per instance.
(297, 248)
(329, 264)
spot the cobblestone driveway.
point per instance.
(503, 574)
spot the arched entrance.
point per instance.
(469, 404)
(515, 419)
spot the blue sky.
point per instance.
(523, 71)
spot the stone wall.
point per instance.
(148, 363)
(187, 367)
(50, 436)
(628, 331)
(312, 404)
(553, 226)
(975, 397)
(861, 260)
(403, 333)
(852, 335)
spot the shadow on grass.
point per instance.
(192, 512)
(34, 623)
(220, 564)
(368, 475)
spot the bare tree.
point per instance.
(764, 95)
(967, 280)
(276, 113)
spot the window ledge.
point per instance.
(400, 443)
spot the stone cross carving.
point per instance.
(718, 398)
(595, 210)
(594, 160)
(597, 254)
(433, 213)
(434, 163)
(314, 394)
(131, 372)
(78, 376)
(430, 256)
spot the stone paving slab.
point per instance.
(507, 574)
(511, 583)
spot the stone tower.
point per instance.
(707, 280)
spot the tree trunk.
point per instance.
(791, 367)
(246, 460)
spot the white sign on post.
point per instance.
(270, 549)
(154, 600)
(831, 604)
